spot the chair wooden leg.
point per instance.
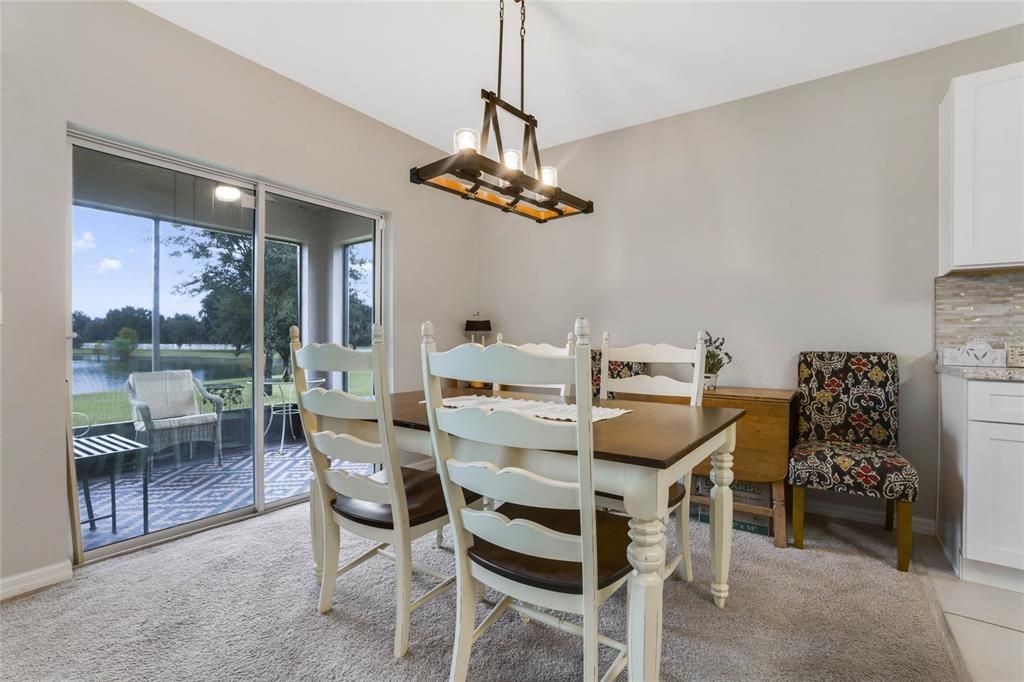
(438, 537)
(904, 514)
(465, 621)
(329, 569)
(890, 508)
(403, 595)
(683, 519)
(590, 652)
(798, 516)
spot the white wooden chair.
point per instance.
(544, 349)
(660, 385)
(392, 507)
(547, 545)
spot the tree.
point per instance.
(224, 281)
(181, 329)
(360, 313)
(125, 343)
(79, 323)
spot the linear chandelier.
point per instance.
(505, 185)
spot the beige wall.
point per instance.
(803, 218)
(118, 69)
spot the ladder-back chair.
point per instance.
(665, 386)
(392, 507)
(547, 545)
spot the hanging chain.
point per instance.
(501, 40)
(522, 54)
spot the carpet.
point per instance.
(239, 602)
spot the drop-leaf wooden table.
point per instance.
(637, 455)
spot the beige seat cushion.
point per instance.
(168, 394)
(179, 422)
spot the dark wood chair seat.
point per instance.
(549, 574)
(676, 493)
(423, 494)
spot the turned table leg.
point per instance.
(647, 557)
(721, 519)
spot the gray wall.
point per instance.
(115, 68)
(803, 218)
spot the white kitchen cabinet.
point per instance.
(980, 515)
(981, 171)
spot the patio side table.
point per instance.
(89, 449)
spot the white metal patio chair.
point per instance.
(166, 412)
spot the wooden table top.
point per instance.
(654, 435)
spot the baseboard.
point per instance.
(923, 525)
(28, 581)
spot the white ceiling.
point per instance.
(590, 67)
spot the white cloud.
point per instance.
(110, 264)
(86, 241)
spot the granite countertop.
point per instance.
(984, 373)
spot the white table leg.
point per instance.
(721, 519)
(647, 556)
(316, 528)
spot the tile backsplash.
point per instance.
(978, 304)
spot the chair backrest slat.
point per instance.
(648, 385)
(504, 364)
(332, 357)
(515, 485)
(358, 486)
(544, 349)
(348, 448)
(515, 430)
(337, 403)
(328, 414)
(523, 536)
(656, 353)
(507, 427)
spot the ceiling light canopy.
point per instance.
(506, 185)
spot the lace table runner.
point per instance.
(538, 408)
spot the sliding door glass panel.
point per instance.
(306, 282)
(162, 294)
(358, 324)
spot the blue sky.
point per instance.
(112, 265)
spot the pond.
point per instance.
(102, 374)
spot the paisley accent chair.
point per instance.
(848, 438)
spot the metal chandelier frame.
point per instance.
(476, 177)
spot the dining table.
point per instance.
(637, 456)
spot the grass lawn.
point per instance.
(113, 406)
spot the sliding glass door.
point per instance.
(182, 412)
(314, 251)
(162, 359)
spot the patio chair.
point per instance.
(166, 412)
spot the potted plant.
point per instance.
(715, 359)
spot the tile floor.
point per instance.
(987, 623)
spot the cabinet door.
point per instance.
(988, 167)
(994, 515)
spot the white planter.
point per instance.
(710, 382)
